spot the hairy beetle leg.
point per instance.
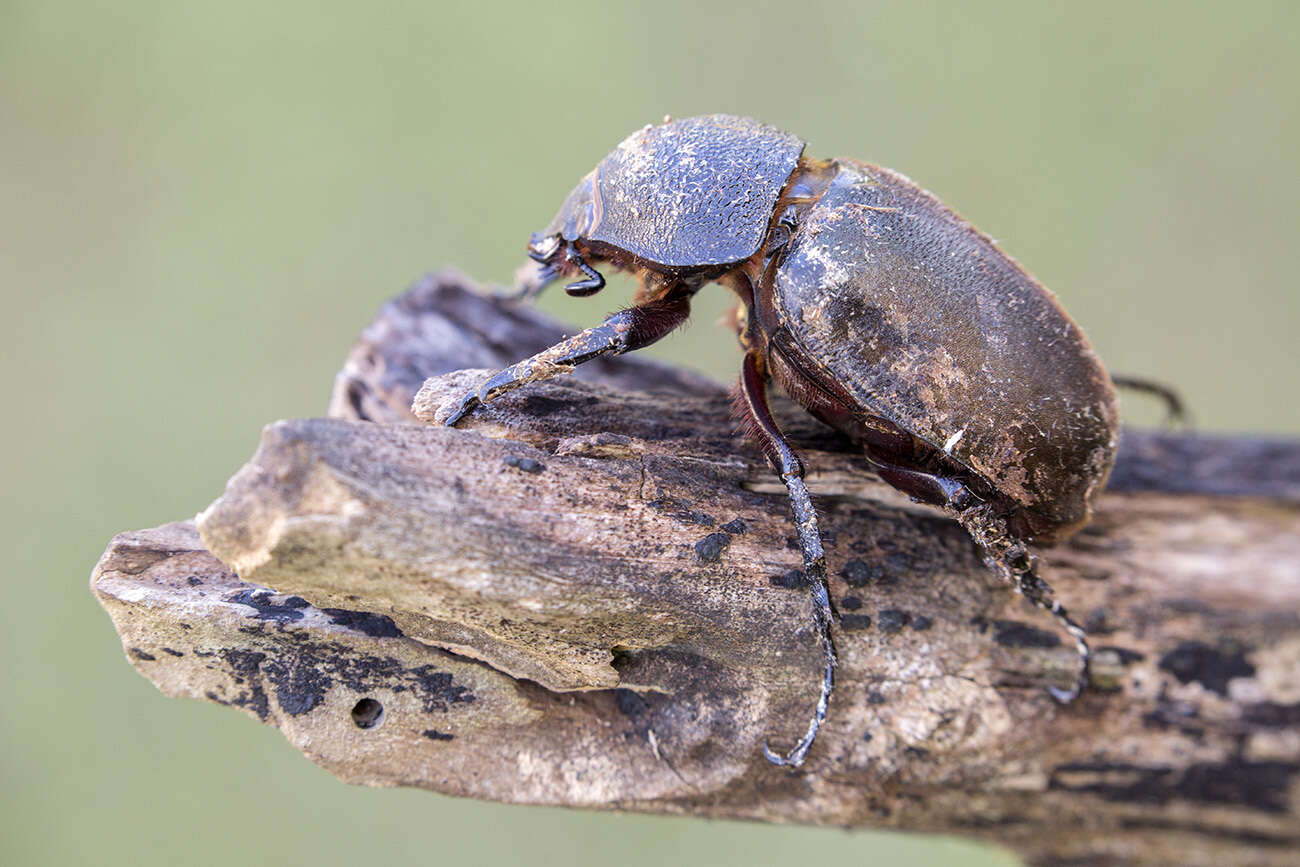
(621, 332)
(753, 393)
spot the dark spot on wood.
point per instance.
(1124, 654)
(365, 622)
(678, 511)
(735, 527)
(261, 602)
(435, 735)
(1267, 714)
(891, 620)
(789, 580)
(921, 623)
(859, 573)
(527, 465)
(194, 580)
(244, 666)
(1013, 633)
(299, 684)
(1263, 786)
(1210, 666)
(851, 603)
(142, 655)
(172, 652)
(630, 703)
(1097, 622)
(875, 697)
(855, 621)
(710, 548)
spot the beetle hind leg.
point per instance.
(1011, 559)
(752, 400)
(1007, 555)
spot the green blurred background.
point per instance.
(202, 204)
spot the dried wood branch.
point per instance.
(587, 596)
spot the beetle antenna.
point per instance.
(594, 282)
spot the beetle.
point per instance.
(875, 307)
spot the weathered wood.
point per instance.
(585, 596)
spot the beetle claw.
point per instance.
(468, 404)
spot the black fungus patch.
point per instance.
(435, 735)
(710, 548)
(374, 625)
(850, 603)
(261, 601)
(1212, 667)
(791, 580)
(300, 671)
(526, 465)
(172, 652)
(892, 620)
(855, 621)
(875, 697)
(1013, 633)
(142, 654)
(194, 581)
(1263, 786)
(244, 667)
(921, 623)
(735, 527)
(299, 684)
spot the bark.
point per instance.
(588, 595)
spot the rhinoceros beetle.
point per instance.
(876, 307)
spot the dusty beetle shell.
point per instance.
(875, 307)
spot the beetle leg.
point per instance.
(1011, 559)
(753, 392)
(1176, 413)
(1007, 555)
(621, 332)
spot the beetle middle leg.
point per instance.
(753, 400)
(621, 332)
(1008, 556)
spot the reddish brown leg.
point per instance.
(753, 391)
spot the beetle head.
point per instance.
(555, 249)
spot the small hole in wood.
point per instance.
(367, 713)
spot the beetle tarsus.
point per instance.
(1039, 592)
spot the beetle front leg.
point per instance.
(621, 332)
(753, 400)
